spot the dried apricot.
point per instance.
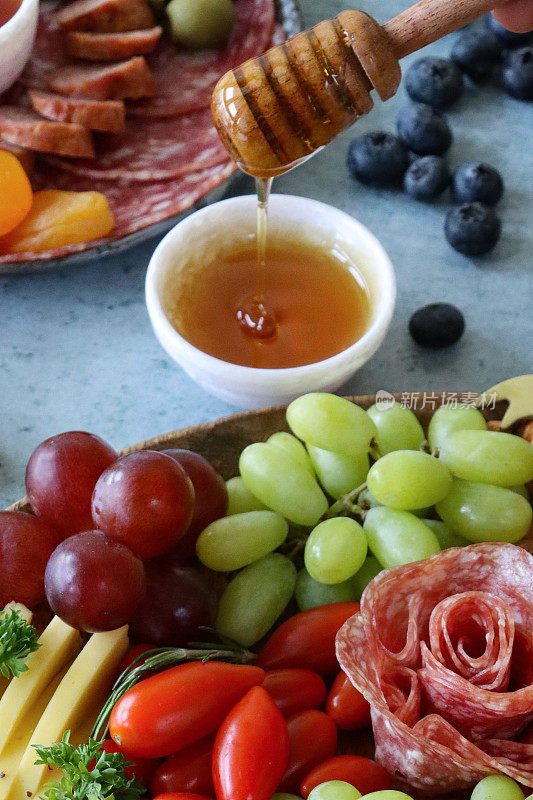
(15, 192)
(59, 218)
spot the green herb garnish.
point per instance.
(18, 640)
(105, 780)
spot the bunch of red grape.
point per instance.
(111, 538)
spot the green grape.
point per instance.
(240, 498)
(484, 513)
(398, 428)
(255, 598)
(497, 787)
(371, 567)
(500, 459)
(310, 593)
(409, 479)
(233, 542)
(520, 489)
(337, 472)
(282, 484)
(446, 537)
(448, 419)
(335, 550)
(334, 790)
(292, 447)
(397, 537)
(332, 423)
(387, 794)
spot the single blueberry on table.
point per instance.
(517, 73)
(438, 82)
(378, 158)
(472, 229)
(437, 325)
(476, 53)
(424, 130)
(426, 178)
(474, 181)
(507, 38)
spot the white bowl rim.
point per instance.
(21, 10)
(384, 304)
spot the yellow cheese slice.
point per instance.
(27, 696)
(74, 706)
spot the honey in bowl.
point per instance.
(317, 294)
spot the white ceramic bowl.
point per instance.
(318, 223)
(16, 42)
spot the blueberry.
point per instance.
(476, 54)
(472, 229)
(424, 130)
(438, 82)
(379, 158)
(437, 325)
(426, 178)
(517, 73)
(474, 181)
(507, 38)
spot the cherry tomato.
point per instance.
(363, 773)
(15, 191)
(295, 690)
(251, 749)
(133, 653)
(312, 739)
(181, 796)
(142, 769)
(188, 770)
(346, 705)
(307, 639)
(179, 706)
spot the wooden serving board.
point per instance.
(222, 441)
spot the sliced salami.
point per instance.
(112, 46)
(117, 81)
(27, 129)
(105, 16)
(185, 80)
(97, 115)
(442, 650)
(135, 206)
(153, 150)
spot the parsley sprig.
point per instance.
(105, 780)
(18, 640)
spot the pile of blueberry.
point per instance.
(433, 84)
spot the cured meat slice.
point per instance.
(97, 115)
(105, 16)
(24, 128)
(443, 651)
(26, 157)
(112, 46)
(125, 79)
(154, 150)
(185, 80)
(135, 206)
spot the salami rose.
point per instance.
(442, 649)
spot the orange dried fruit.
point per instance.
(59, 218)
(15, 192)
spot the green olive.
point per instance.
(200, 23)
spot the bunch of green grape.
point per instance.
(350, 492)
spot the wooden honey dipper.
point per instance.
(276, 110)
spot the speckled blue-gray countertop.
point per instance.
(77, 349)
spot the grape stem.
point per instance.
(158, 659)
(347, 504)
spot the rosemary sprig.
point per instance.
(18, 640)
(159, 659)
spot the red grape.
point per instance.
(94, 583)
(26, 544)
(146, 500)
(210, 495)
(61, 475)
(179, 602)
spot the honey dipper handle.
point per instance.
(429, 20)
